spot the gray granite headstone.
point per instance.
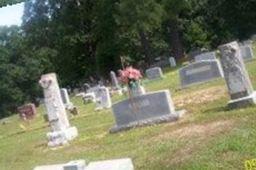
(236, 76)
(200, 72)
(246, 52)
(154, 73)
(142, 110)
(172, 62)
(205, 56)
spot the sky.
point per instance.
(11, 15)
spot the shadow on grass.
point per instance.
(217, 109)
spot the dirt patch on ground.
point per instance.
(194, 135)
(197, 130)
(200, 96)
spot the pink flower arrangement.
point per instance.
(129, 74)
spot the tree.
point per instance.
(138, 20)
(173, 23)
(19, 71)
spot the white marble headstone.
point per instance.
(61, 132)
(103, 98)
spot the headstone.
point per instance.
(147, 109)
(27, 112)
(200, 72)
(103, 98)
(117, 164)
(205, 56)
(154, 73)
(236, 76)
(114, 81)
(65, 98)
(172, 62)
(195, 52)
(246, 52)
(61, 132)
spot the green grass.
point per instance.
(208, 137)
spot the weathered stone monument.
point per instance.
(150, 108)
(103, 98)
(236, 76)
(200, 72)
(61, 132)
(172, 62)
(27, 112)
(154, 73)
(117, 164)
(205, 56)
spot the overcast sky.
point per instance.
(11, 15)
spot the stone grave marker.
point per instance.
(27, 112)
(116, 164)
(205, 56)
(103, 98)
(237, 79)
(200, 72)
(66, 101)
(151, 108)
(61, 132)
(65, 98)
(172, 62)
(114, 80)
(154, 73)
(246, 52)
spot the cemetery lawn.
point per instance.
(209, 136)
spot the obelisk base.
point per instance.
(243, 102)
(62, 137)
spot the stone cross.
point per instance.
(61, 132)
(236, 76)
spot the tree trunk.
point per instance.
(146, 47)
(175, 40)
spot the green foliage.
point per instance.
(81, 39)
(19, 71)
